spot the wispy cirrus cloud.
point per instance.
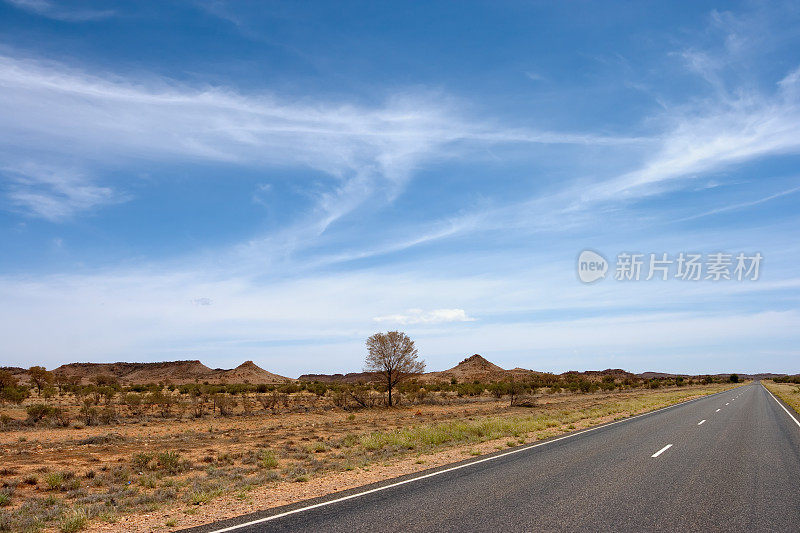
(365, 151)
(52, 193)
(739, 118)
(710, 135)
(693, 140)
(56, 11)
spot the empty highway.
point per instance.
(726, 462)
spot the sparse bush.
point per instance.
(14, 394)
(169, 461)
(200, 497)
(350, 440)
(39, 411)
(267, 459)
(224, 403)
(54, 480)
(319, 447)
(6, 421)
(141, 461)
(89, 412)
(73, 520)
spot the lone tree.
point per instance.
(40, 377)
(394, 356)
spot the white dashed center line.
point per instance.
(717, 411)
(701, 422)
(662, 450)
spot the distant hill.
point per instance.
(478, 368)
(19, 373)
(474, 367)
(177, 372)
(352, 377)
(661, 375)
(249, 372)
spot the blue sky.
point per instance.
(277, 181)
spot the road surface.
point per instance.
(726, 462)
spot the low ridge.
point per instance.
(176, 372)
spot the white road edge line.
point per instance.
(438, 472)
(662, 450)
(782, 406)
(701, 422)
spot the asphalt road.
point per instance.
(727, 462)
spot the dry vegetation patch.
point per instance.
(788, 392)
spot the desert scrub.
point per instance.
(267, 459)
(147, 481)
(73, 520)
(201, 497)
(54, 480)
(169, 462)
(5, 499)
(319, 447)
(33, 515)
(428, 436)
(141, 461)
(496, 427)
(786, 392)
(349, 440)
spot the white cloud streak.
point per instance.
(54, 194)
(55, 11)
(418, 316)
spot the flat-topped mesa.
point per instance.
(175, 372)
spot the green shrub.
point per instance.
(41, 411)
(350, 440)
(141, 460)
(54, 480)
(14, 394)
(319, 447)
(199, 497)
(73, 520)
(170, 462)
(267, 459)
